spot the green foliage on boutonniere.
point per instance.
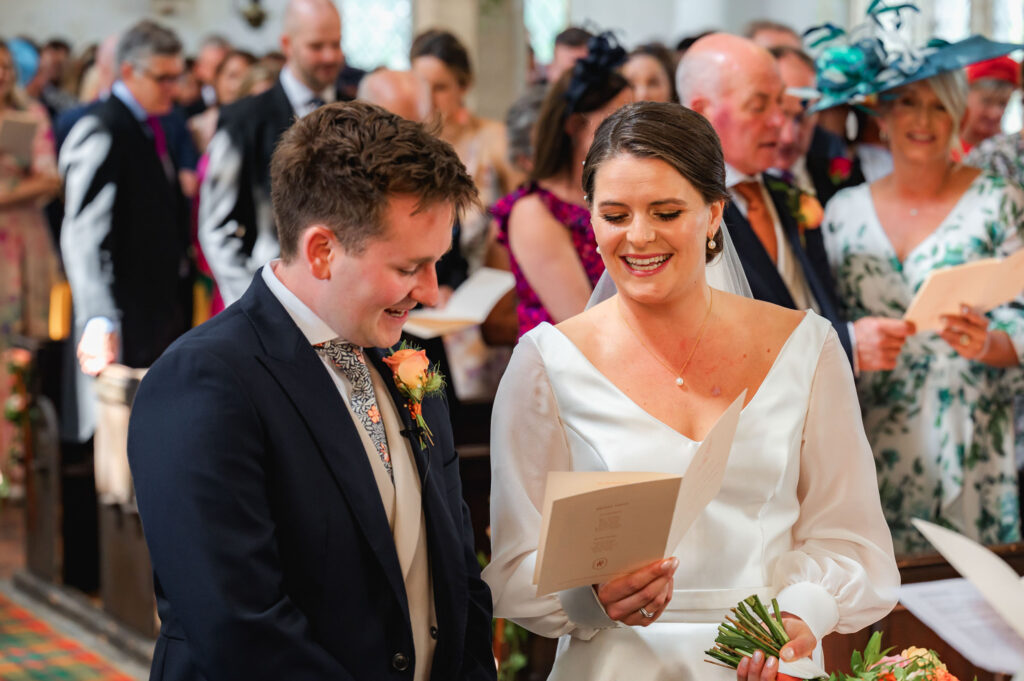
(804, 207)
(416, 380)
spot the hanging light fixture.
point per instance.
(253, 13)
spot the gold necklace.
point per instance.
(700, 334)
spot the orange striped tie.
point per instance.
(759, 217)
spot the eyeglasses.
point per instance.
(163, 78)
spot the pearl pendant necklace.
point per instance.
(680, 383)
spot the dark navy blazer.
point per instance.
(272, 555)
(765, 281)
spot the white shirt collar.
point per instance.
(733, 177)
(209, 95)
(121, 91)
(299, 95)
(312, 327)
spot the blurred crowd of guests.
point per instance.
(159, 212)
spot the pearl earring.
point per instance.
(711, 244)
(599, 250)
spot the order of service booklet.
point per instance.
(982, 284)
(17, 133)
(469, 305)
(598, 525)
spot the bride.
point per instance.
(636, 382)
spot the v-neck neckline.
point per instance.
(610, 384)
(929, 237)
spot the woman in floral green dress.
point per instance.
(940, 421)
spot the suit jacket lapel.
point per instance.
(443, 523)
(764, 278)
(811, 274)
(301, 375)
(144, 146)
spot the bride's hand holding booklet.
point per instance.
(598, 525)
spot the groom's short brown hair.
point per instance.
(340, 165)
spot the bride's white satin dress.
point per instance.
(798, 516)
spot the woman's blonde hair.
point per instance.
(951, 89)
(16, 98)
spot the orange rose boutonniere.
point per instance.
(804, 207)
(416, 380)
(809, 212)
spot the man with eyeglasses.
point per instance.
(125, 233)
(808, 156)
(236, 226)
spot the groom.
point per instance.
(297, 526)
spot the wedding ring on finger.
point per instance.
(965, 339)
(648, 615)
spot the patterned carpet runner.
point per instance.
(31, 651)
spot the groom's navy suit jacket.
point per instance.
(272, 555)
(765, 281)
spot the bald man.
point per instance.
(736, 85)
(236, 226)
(400, 92)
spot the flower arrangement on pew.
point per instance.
(752, 627)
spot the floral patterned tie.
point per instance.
(350, 361)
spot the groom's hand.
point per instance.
(649, 588)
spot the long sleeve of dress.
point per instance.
(527, 441)
(840, 573)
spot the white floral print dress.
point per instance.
(940, 426)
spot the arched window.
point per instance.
(544, 19)
(377, 33)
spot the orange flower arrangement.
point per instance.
(416, 380)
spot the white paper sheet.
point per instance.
(704, 475)
(469, 305)
(993, 578)
(956, 611)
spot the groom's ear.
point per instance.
(318, 247)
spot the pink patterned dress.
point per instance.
(28, 258)
(576, 219)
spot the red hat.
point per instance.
(1000, 68)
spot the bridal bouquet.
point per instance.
(752, 627)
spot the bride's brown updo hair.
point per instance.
(668, 132)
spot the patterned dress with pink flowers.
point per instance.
(576, 219)
(28, 269)
(28, 258)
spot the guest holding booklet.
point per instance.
(939, 416)
(635, 383)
